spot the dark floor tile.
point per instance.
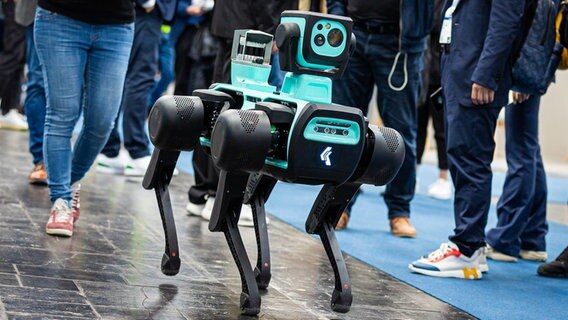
(9, 280)
(72, 274)
(7, 268)
(19, 316)
(41, 294)
(48, 283)
(47, 308)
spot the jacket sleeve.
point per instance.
(504, 24)
(336, 7)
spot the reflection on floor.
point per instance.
(110, 268)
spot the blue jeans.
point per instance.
(34, 105)
(370, 65)
(142, 68)
(84, 67)
(521, 210)
(167, 75)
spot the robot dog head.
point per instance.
(314, 43)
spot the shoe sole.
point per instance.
(404, 235)
(194, 209)
(109, 170)
(502, 259)
(484, 268)
(552, 275)
(59, 232)
(533, 257)
(465, 273)
(12, 127)
(37, 182)
(130, 173)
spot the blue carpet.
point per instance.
(508, 291)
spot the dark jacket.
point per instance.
(167, 8)
(482, 38)
(415, 21)
(263, 15)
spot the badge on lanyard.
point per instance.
(446, 32)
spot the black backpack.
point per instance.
(533, 50)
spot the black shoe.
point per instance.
(557, 268)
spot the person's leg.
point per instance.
(398, 92)
(533, 237)
(206, 174)
(34, 105)
(423, 115)
(440, 137)
(166, 62)
(355, 87)
(222, 70)
(469, 138)
(105, 74)
(62, 45)
(142, 68)
(516, 202)
(12, 59)
(183, 63)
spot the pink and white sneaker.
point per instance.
(60, 221)
(76, 203)
(449, 262)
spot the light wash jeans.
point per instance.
(84, 68)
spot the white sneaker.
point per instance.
(449, 262)
(498, 256)
(137, 167)
(534, 255)
(194, 209)
(208, 208)
(114, 165)
(13, 120)
(246, 218)
(483, 266)
(441, 190)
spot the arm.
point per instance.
(504, 23)
(336, 7)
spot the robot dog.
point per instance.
(258, 136)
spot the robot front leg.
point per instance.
(323, 217)
(224, 218)
(158, 177)
(259, 188)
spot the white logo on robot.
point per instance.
(325, 156)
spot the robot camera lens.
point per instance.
(319, 26)
(319, 40)
(335, 37)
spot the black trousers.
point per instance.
(191, 74)
(142, 68)
(425, 111)
(206, 174)
(12, 59)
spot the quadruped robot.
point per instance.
(258, 136)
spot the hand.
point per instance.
(149, 9)
(274, 47)
(194, 10)
(519, 98)
(481, 95)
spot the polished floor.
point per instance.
(110, 268)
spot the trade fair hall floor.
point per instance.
(110, 268)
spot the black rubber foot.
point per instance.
(170, 265)
(341, 301)
(262, 280)
(248, 307)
